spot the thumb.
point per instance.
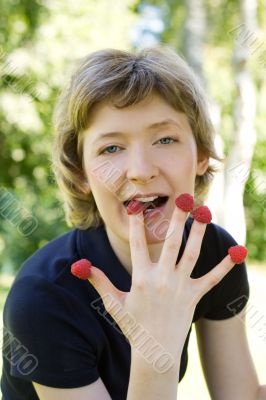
(83, 269)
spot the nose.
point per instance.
(141, 166)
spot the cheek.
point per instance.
(185, 173)
(105, 178)
(190, 157)
(182, 163)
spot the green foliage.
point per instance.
(222, 22)
(40, 43)
(255, 204)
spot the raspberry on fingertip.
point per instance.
(135, 207)
(202, 214)
(238, 253)
(185, 201)
(81, 269)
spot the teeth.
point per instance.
(146, 199)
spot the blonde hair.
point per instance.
(124, 78)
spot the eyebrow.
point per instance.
(155, 125)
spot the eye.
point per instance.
(105, 150)
(168, 138)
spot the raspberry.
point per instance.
(135, 207)
(202, 214)
(185, 201)
(238, 253)
(81, 268)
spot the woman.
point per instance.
(132, 130)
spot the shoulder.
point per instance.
(214, 247)
(44, 286)
(215, 235)
(231, 294)
(35, 304)
(53, 259)
(217, 240)
(47, 261)
(55, 324)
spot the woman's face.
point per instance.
(145, 148)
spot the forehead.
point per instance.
(151, 113)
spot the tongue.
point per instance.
(150, 205)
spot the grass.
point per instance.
(193, 384)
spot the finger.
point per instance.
(109, 293)
(202, 216)
(83, 269)
(173, 239)
(138, 243)
(212, 278)
(193, 246)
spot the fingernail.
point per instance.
(185, 201)
(81, 268)
(238, 253)
(202, 214)
(135, 207)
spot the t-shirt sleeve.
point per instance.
(231, 295)
(47, 339)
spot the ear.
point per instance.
(202, 164)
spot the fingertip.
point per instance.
(238, 253)
(185, 202)
(135, 207)
(81, 269)
(202, 214)
(229, 260)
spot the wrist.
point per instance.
(155, 363)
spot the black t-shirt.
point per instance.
(56, 332)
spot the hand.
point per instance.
(163, 297)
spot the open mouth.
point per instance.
(151, 205)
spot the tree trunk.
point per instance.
(194, 37)
(194, 33)
(240, 156)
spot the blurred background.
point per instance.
(225, 43)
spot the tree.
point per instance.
(40, 43)
(205, 32)
(244, 139)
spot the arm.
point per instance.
(226, 360)
(94, 391)
(144, 382)
(261, 393)
(147, 383)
